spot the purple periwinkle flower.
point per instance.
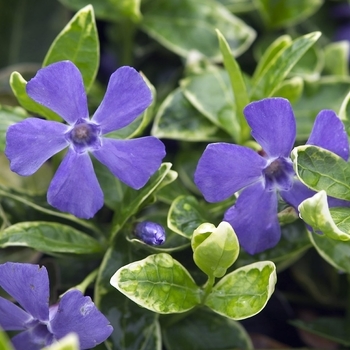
(225, 169)
(75, 188)
(39, 324)
(150, 232)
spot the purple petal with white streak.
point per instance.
(12, 317)
(74, 188)
(79, 314)
(328, 132)
(224, 168)
(33, 339)
(273, 125)
(127, 96)
(132, 161)
(254, 219)
(28, 284)
(33, 141)
(60, 88)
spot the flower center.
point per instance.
(84, 136)
(279, 174)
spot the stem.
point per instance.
(208, 287)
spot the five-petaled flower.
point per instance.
(39, 324)
(75, 188)
(225, 169)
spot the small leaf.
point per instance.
(337, 58)
(244, 292)
(18, 86)
(290, 89)
(279, 67)
(315, 212)
(215, 251)
(239, 89)
(78, 42)
(186, 26)
(49, 238)
(158, 283)
(321, 169)
(185, 215)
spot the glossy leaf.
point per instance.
(185, 215)
(239, 90)
(244, 292)
(209, 331)
(215, 249)
(279, 67)
(186, 26)
(78, 42)
(320, 169)
(158, 283)
(109, 9)
(50, 238)
(316, 213)
(18, 86)
(283, 13)
(336, 253)
(178, 119)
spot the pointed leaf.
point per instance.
(158, 283)
(78, 42)
(244, 292)
(18, 86)
(215, 251)
(320, 169)
(315, 212)
(49, 238)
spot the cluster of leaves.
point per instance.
(205, 106)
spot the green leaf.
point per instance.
(332, 328)
(209, 331)
(18, 86)
(290, 89)
(316, 213)
(135, 328)
(237, 6)
(310, 66)
(344, 113)
(158, 283)
(186, 26)
(215, 249)
(110, 10)
(185, 215)
(78, 42)
(321, 169)
(282, 13)
(336, 253)
(279, 67)
(178, 119)
(68, 342)
(5, 343)
(336, 56)
(133, 199)
(49, 238)
(244, 292)
(8, 116)
(239, 89)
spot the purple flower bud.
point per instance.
(150, 232)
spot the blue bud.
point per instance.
(150, 232)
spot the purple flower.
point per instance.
(41, 325)
(150, 232)
(75, 188)
(226, 168)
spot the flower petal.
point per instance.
(127, 96)
(33, 141)
(60, 88)
(12, 317)
(254, 219)
(328, 132)
(298, 193)
(79, 314)
(29, 285)
(225, 168)
(75, 188)
(33, 339)
(132, 161)
(273, 125)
